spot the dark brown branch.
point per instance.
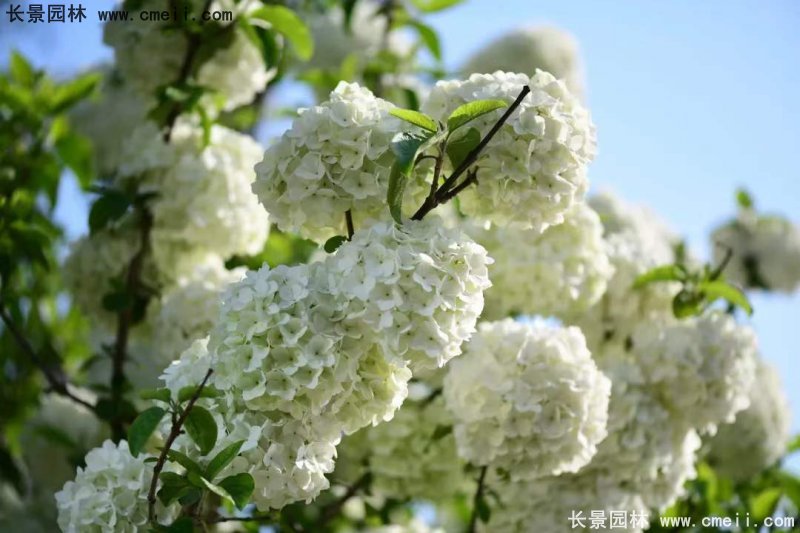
(473, 519)
(351, 230)
(330, 511)
(173, 434)
(55, 376)
(441, 195)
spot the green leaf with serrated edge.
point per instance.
(141, 429)
(173, 486)
(458, 149)
(416, 118)
(106, 209)
(202, 428)
(162, 395)
(717, 289)
(429, 38)
(661, 273)
(743, 199)
(286, 22)
(333, 244)
(466, 113)
(185, 461)
(686, 304)
(186, 393)
(431, 6)
(223, 459)
(240, 487)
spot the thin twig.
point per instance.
(473, 519)
(55, 376)
(173, 434)
(271, 517)
(332, 509)
(441, 195)
(348, 217)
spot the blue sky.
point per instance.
(691, 99)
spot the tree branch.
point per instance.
(473, 519)
(173, 434)
(443, 193)
(348, 217)
(55, 376)
(332, 509)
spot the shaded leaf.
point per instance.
(186, 393)
(483, 509)
(185, 461)
(106, 209)
(441, 431)
(202, 428)
(686, 304)
(395, 192)
(429, 38)
(405, 147)
(162, 395)
(468, 112)
(223, 459)
(333, 244)
(459, 149)
(173, 486)
(416, 118)
(240, 487)
(286, 22)
(717, 289)
(141, 429)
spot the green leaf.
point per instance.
(181, 525)
(717, 289)
(661, 273)
(743, 199)
(396, 191)
(107, 209)
(441, 431)
(68, 94)
(794, 445)
(240, 487)
(416, 118)
(430, 6)
(186, 393)
(202, 428)
(686, 304)
(162, 395)
(219, 491)
(429, 38)
(185, 461)
(458, 149)
(223, 459)
(21, 70)
(764, 503)
(286, 22)
(483, 509)
(468, 112)
(405, 147)
(173, 486)
(791, 486)
(333, 244)
(141, 429)
(76, 153)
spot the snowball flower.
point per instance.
(109, 493)
(527, 399)
(563, 270)
(534, 169)
(148, 55)
(702, 367)
(336, 157)
(204, 199)
(765, 251)
(760, 434)
(526, 49)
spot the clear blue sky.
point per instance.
(691, 100)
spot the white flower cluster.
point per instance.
(407, 457)
(526, 49)
(51, 464)
(636, 241)
(204, 199)
(760, 434)
(336, 157)
(766, 251)
(562, 271)
(148, 57)
(534, 169)
(109, 493)
(527, 399)
(702, 367)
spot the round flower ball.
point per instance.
(335, 158)
(526, 49)
(562, 271)
(760, 434)
(527, 400)
(765, 251)
(534, 169)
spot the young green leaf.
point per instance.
(202, 428)
(716, 289)
(141, 429)
(162, 395)
(468, 112)
(661, 273)
(763, 504)
(429, 37)
(68, 94)
(107, 209)
(286, 22)
(458, 149)
(240, 487)
(75, 152)
(186, 393)
(333, 244)
(431, 6)
(405, 147)
(686, 304)
(21, 70)
(185, 461)
(416, 118)
(223, 459)
(743, 199)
